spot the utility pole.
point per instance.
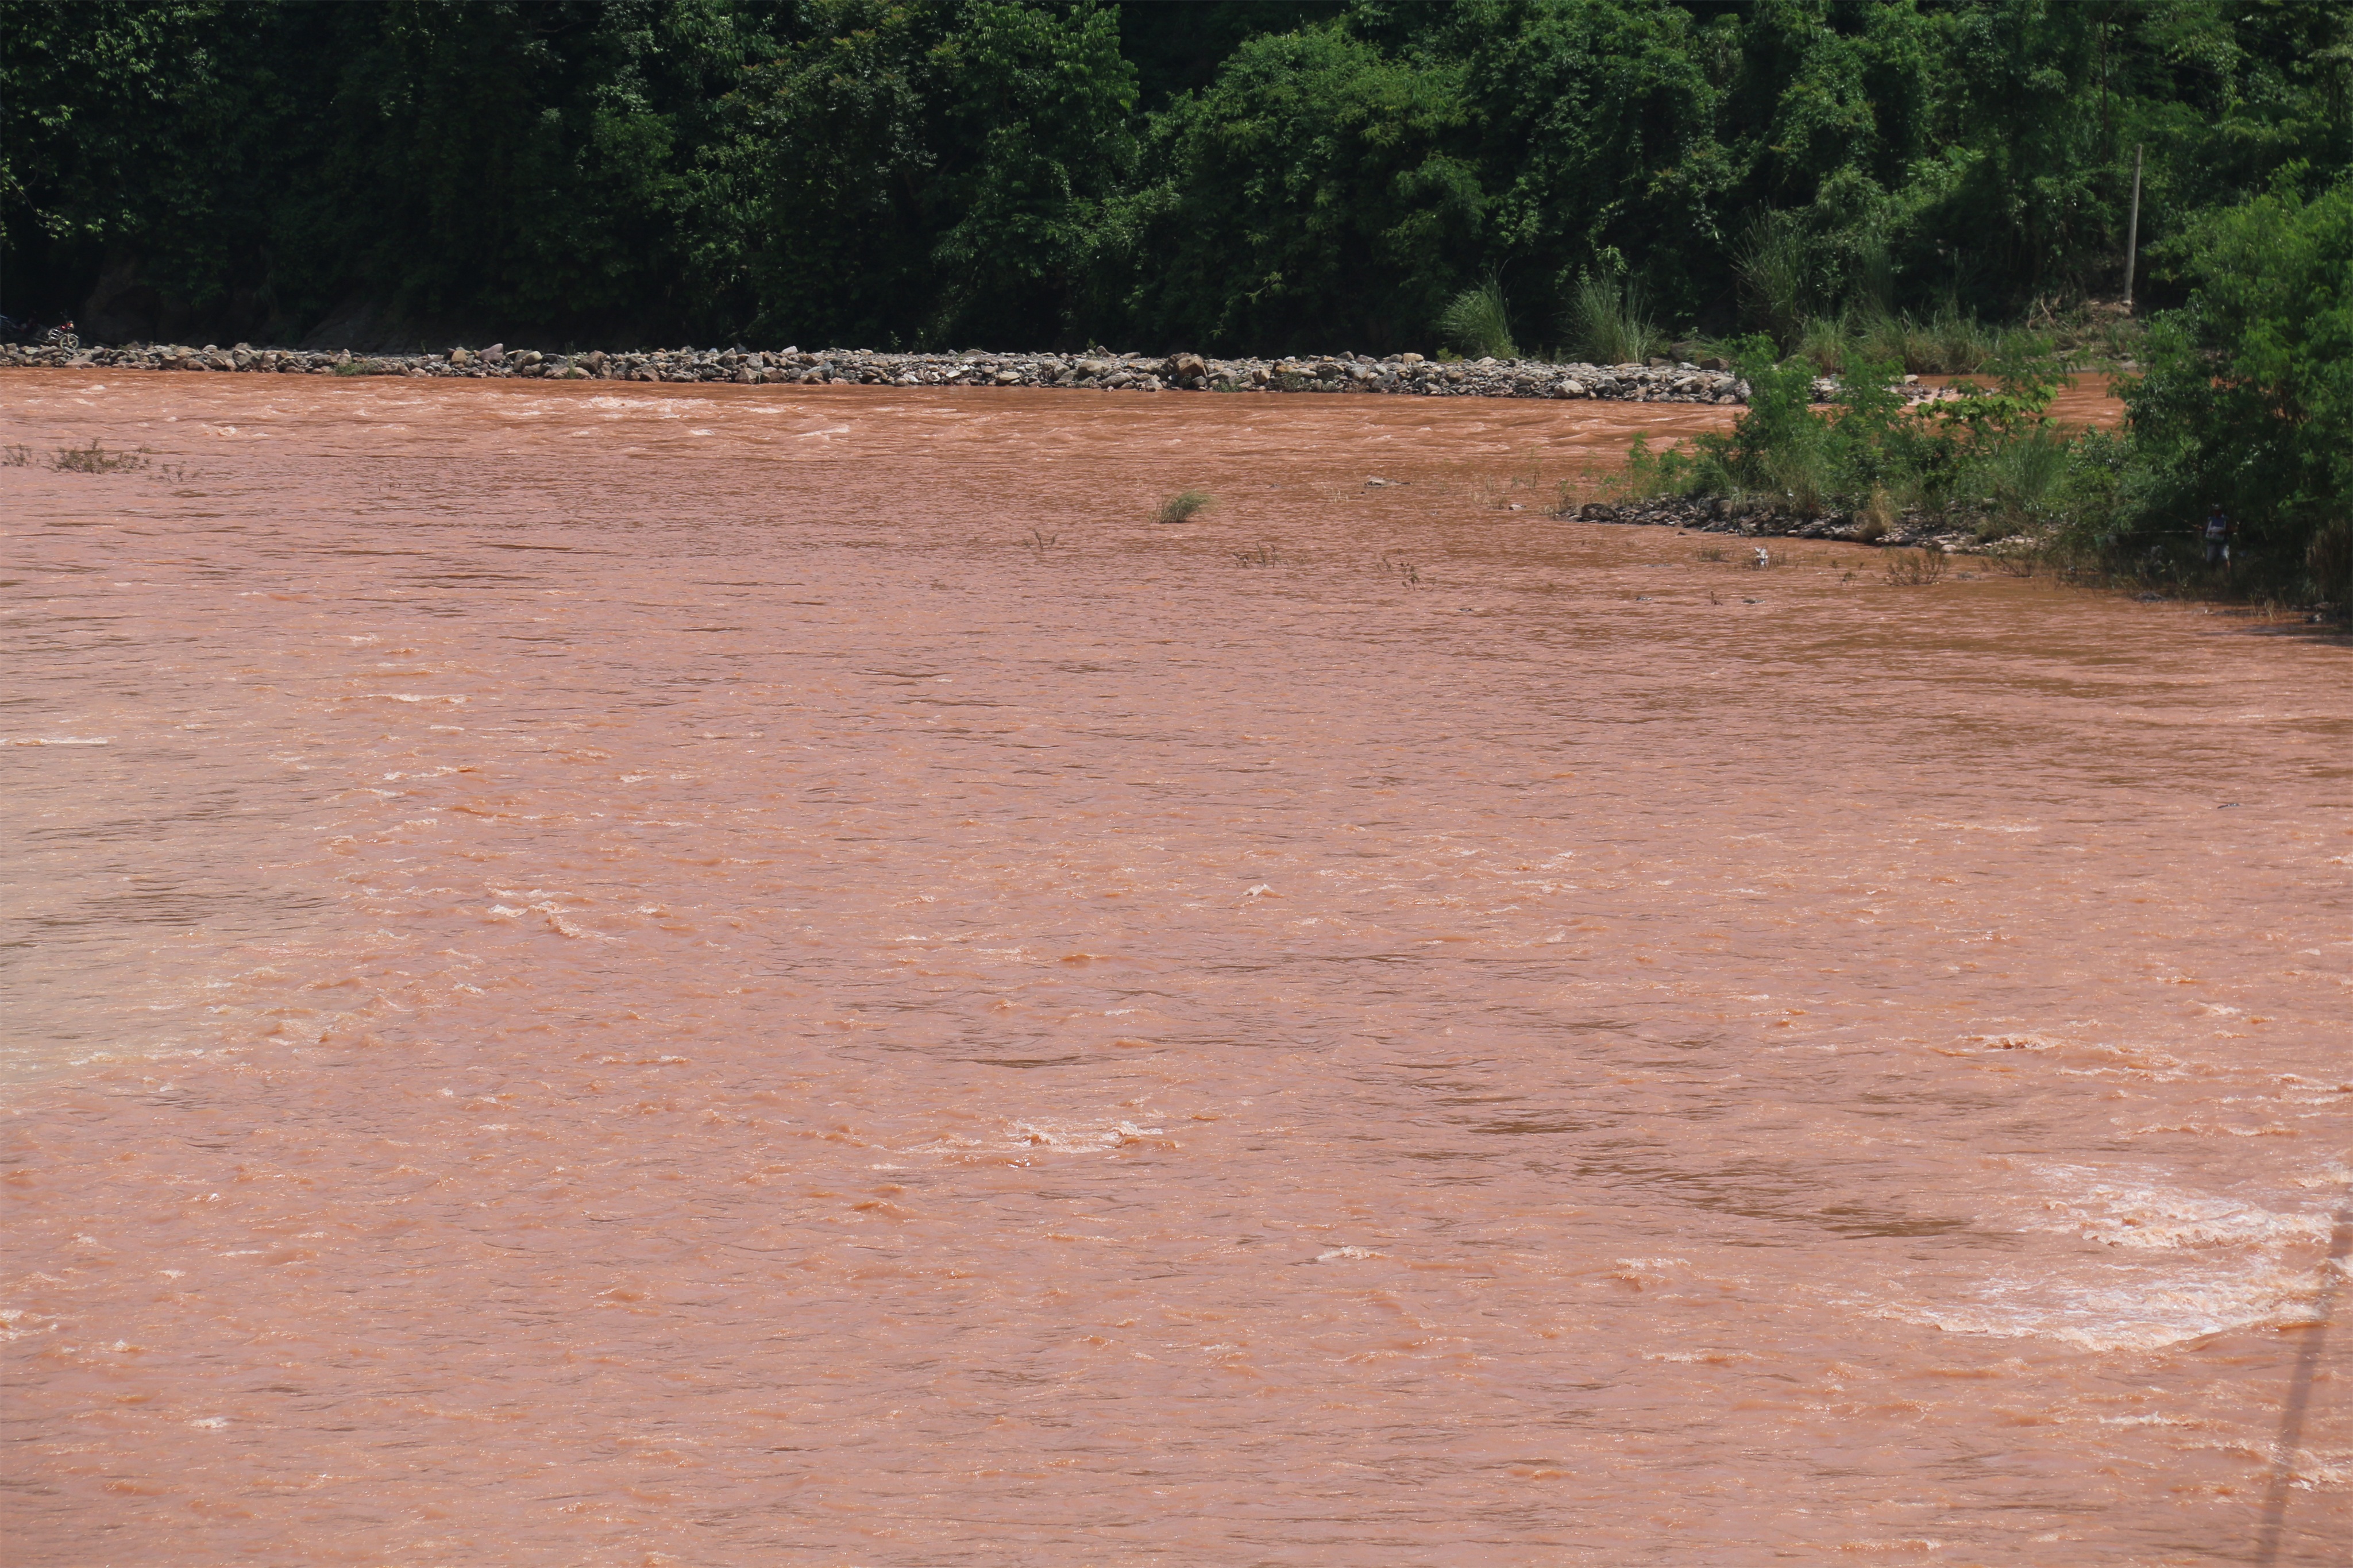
(2132, 232)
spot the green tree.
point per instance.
(1045, 101)
(1317, 195)
(2247, 402)
(931, 172)
(1595, 132)
(119, 121)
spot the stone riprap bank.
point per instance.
(1658, 381)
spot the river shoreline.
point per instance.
(1407, 374)
(1747, 517)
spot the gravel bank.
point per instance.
(1406, 374)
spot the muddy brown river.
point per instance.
(747, 975)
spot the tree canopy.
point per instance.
(1036, 171)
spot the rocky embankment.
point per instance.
(1657, 381)
(1749, 519)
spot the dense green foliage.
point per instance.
(2247, 400)
(1222, 175)
(2245, 404)
(1989, 453)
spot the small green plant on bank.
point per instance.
(1183, 506)
(356, 367)
(1948, 343)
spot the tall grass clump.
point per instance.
(1479, 323)
(2014, 480)
(1183, 506)
(1948, 343)
(1772, 269)
(1607, 324)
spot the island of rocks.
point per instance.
(1658, 381)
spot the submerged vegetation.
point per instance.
(1184, 506)
(95, 458)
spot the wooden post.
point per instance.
(2132, 233)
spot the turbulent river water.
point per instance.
(739, 976)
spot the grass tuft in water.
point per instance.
(1182, 506)
(1914, 568)
(96, 459)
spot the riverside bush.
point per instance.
(1985, 449)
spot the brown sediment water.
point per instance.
(731, 975)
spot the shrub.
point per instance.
(1776, 286)
(2016, 479)
(1870, 451)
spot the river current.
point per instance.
(740, 975)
